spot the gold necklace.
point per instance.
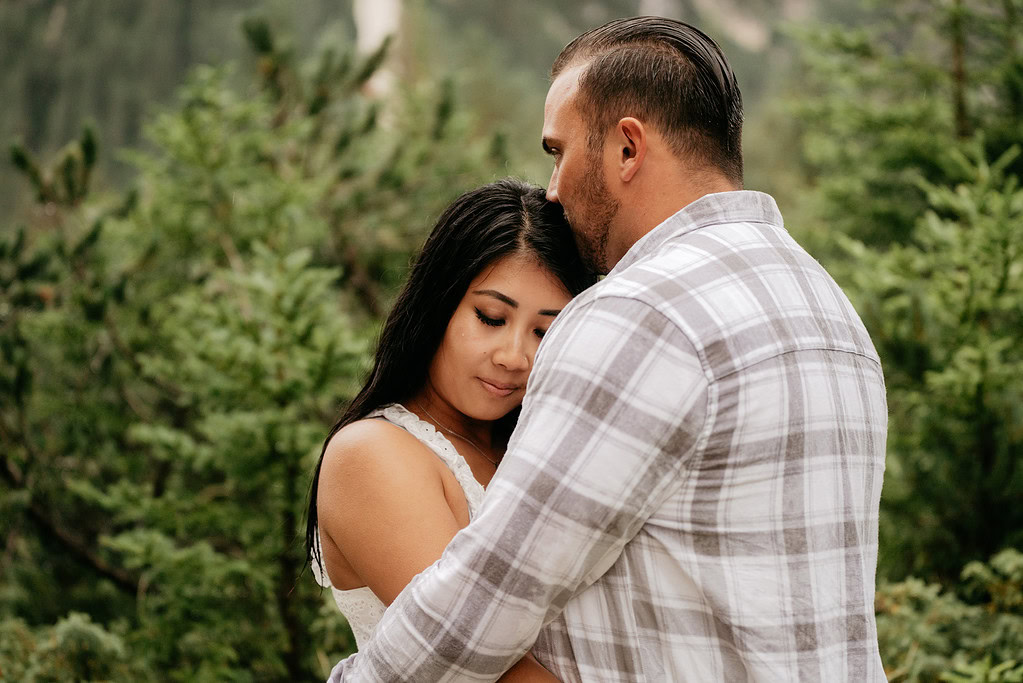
(460, 436)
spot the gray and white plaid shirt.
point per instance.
(692, 491)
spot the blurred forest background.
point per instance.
(206, 207)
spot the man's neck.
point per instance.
(660, 204)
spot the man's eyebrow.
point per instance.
(497, 295)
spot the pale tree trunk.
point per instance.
(375, 20)
(741, 28)
(797, 10)
(751, 30)
(660, 8)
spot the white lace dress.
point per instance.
(360, 606)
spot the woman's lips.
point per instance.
(499, 388)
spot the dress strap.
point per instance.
(401, 416)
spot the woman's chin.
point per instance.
(492, 410)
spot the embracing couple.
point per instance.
(681, 481)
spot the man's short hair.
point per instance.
(665, 72)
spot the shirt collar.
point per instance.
(740, 206)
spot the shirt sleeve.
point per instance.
(617, 403)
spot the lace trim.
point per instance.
(439, 444)
(362, 609)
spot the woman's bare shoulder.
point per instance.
(370, 448)
(382, 506)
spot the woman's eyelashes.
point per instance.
(497, 322)
(487, 320)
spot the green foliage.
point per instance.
(999, 583)
(113, 62)
(174, 357)
(944, 312)
(74, 649)
(985, 672)
(911, 152)
(882, 105)
(928, 633)
(171, 357)
(67, 182)
(911, 149)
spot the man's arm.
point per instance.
(616, 403)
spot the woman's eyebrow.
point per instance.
(497, 295)
(512, 302)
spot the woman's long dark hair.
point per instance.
(481, 226)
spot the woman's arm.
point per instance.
(528, 670)
(383, 507)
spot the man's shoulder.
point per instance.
(743, 284)
(666, 280)
(624, 311)
(613, 295)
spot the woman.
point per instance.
(404, 468)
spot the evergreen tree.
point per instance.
(880, 106)
(944, 312)
(912, 140)
(971, 632)
(174, 357)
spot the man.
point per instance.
(692, 490)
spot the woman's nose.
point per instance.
(512, 353)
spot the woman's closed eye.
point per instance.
(498, 322)
(487, 320)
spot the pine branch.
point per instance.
(78, 548)
(171, 391)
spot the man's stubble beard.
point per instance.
(591, 223)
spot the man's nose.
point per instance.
(552, 187)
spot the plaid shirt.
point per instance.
(692, 491)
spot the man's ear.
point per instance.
(632, 142)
